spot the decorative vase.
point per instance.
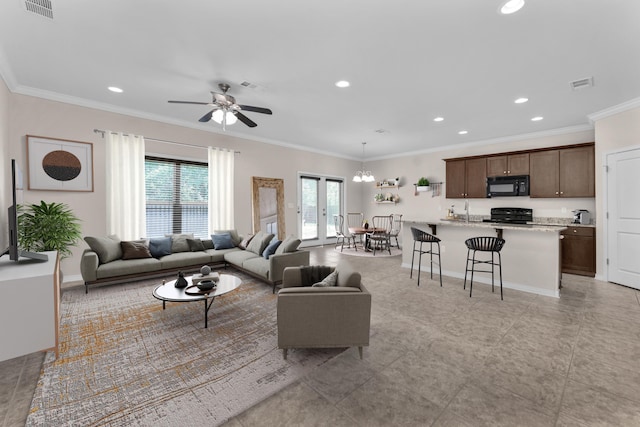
(181, 282)
(366, 225)
(422, 188)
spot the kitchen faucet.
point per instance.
(466, 208)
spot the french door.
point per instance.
(320, 198)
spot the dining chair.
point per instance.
(380, 236)
(396, 227)
(342, 233)
(355, 219)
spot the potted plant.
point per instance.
(423, 184)
(48, 227)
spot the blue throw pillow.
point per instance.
(271, 248)
(222, 241)
(160, 246)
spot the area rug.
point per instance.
(362, 253)
(125, 361)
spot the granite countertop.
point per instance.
(480, 224)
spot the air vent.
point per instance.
(248, 84)
(582, 83)
(39, 7)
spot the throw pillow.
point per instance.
(134, 250)
(222, 241)
(179, 242)
(271, 248)
(107, 248)
(330, 280)
(245, 242)
(160, 246)
(289, 244)
(195, 245)
(233, 233)
(259, 242)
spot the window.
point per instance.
(176, 197)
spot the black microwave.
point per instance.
(501, 186)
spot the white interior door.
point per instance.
(623, 220)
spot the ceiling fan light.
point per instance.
(218, 116)
(231, 118)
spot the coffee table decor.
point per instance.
(168, 292)
(197, 278)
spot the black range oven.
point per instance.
(511, 215)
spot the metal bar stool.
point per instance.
(483, 244)
(424, 237)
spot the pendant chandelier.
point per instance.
(362, 175)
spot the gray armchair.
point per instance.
(323, 317)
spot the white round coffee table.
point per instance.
(168, 292)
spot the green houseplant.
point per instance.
(48, 227)
(423, 184)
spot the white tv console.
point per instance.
(29, 305)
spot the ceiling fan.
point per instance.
(225, 110)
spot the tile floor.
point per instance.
(440, 358)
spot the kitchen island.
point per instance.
(530, 257)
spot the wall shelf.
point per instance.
(434, 187)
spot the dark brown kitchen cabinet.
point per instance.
(579, 251)
(514, 164)
(568, 172)
(466, 178)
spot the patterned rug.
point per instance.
(360, 252)
(126, 361)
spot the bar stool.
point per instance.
(483, 244)
(424, 237)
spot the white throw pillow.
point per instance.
(330, 280)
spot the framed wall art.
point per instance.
(59, 164)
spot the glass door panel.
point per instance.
(320, 199)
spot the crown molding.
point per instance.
(502, 139)
(616, 109)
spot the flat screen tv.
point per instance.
(14, 250)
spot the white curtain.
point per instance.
(220, 189)
(126, 216)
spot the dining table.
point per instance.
(362, 231)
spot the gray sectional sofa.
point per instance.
(109, 259)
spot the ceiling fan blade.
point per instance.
(246, 120)
(255, 109)
(190, 102)
(207, 116)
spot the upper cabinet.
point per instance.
(565, 172)
(466, 178)
(513, 164)
(553, 172)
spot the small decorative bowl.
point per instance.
(206, 285)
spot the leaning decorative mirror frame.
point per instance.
(268, 205)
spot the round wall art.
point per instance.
(59, 164)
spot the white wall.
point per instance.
(5, 168)
(613, 133)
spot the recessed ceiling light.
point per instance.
(537, 119)
(512, 6)
(115, 89)
(343, 83)
(463, 132)
(438, 119)
(521, 100)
